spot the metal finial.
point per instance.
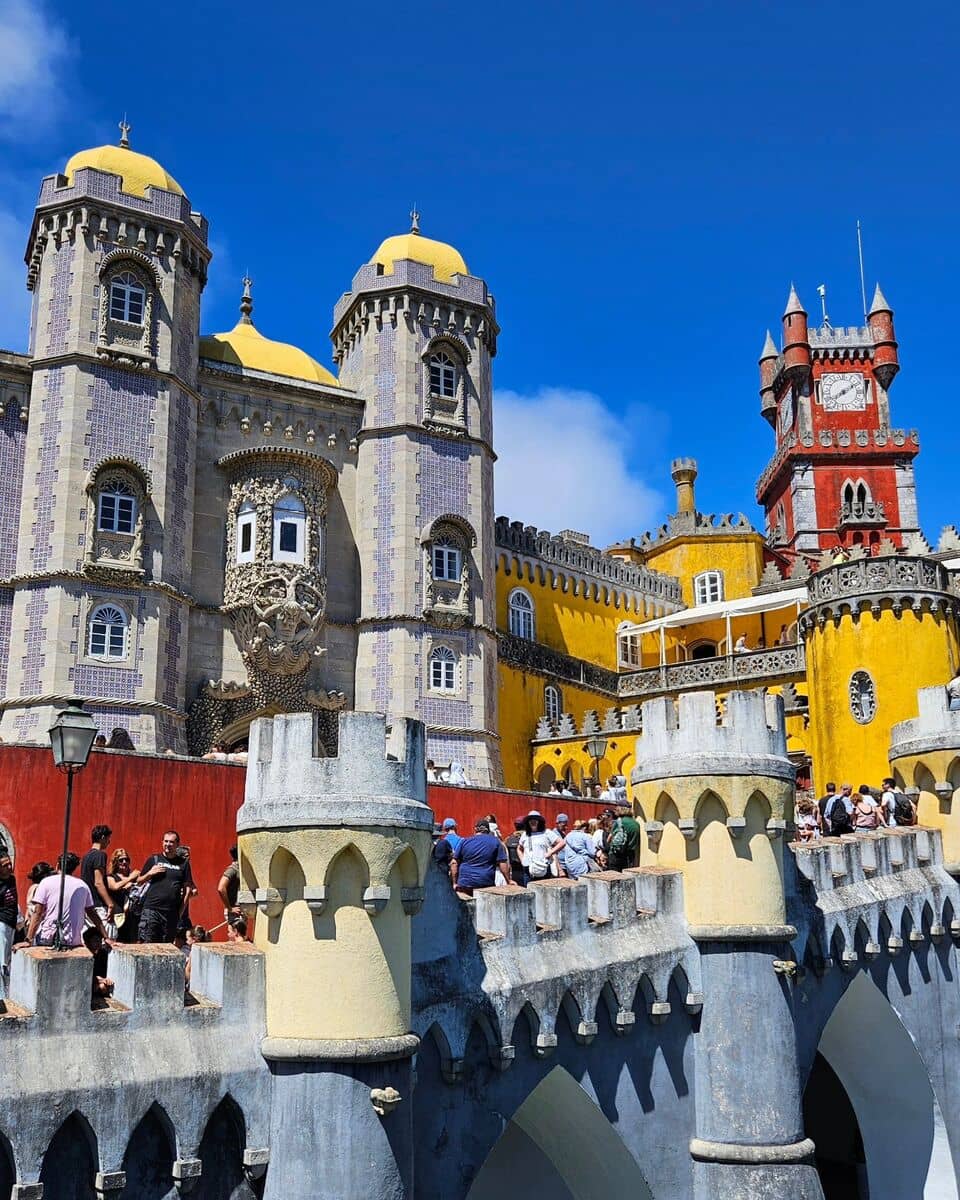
(125, 132)
(414, 219)
(246, 303)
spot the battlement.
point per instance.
(377, 778)
(685, 737)
(936, 727)
(887, 889)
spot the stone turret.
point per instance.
(717, 796)
(886, 360)
(925, 760)
(796, 341)
(332, 854)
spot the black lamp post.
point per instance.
(597, 747)
(71, 740)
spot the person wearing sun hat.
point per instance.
(535, 841)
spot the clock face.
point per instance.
(843, 391)
(785, 416)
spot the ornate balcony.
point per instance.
(780, 663)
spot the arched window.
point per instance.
(521, 614)
(116, 508)
(127, 298)
(246, 532)
(107, 636)
(552, 702)
(443, 669)
(447, 559)
(289, 529)
(443, 376)
(708, 587)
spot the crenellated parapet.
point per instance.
(595, 950)
(151, 1048)
(925, 760)
(883, 892)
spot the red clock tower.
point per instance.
(840, 475)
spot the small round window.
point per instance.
(863, 697)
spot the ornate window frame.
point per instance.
(706, 582)
(518, 614)
(112, 551)
(442, 408)
(552, 702)
(128, 343)
(435, 646)
(447, 601)
(95, 608)
(290, 511)
(246, 522)
(444, 680)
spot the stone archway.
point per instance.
(904, 1142)
(561, 1139)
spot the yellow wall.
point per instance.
(901, 654)
(577, 625)
(924, 771)
(728, 880)
(521, 707)
(738, 556)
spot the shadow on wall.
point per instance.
(559, 1137)
(904, 1142)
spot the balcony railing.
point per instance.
(752, 667)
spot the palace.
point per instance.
(203, 529)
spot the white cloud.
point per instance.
(32, 49)
(567, 461)
(15, 303)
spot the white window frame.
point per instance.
(105, 620)
(128, 299)
(522, 615)
(446, 560)
(289, 509)
(117, 494)
(552, 702)
(443, 375)
(246, 520)
(630, 650)
(442, 666)
(708, 587)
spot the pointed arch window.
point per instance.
(107, 637)
(521, 613)
(128, 298)
(289, 529)
(552, 702)
(246, 532)
(443, 669)
(116, 508)
(443, 375)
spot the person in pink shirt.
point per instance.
(78, 905)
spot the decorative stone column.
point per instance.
(332, 854)
(717, 798)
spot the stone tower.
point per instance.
(333, 853)
(117, 261)
(840, 473)
(717, 798)
(416, 336)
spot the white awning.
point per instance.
(721, 609)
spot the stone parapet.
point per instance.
(877, 891)
(851, 588)
(377, 779)
(685, 738)
(770, 665)
(935, 728)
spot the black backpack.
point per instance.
(902, 809)
(840, 820)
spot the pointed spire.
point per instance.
(246, 302)
(414, 219)
(769, 348)
(793, 303)
(125, 133)
(879, 303)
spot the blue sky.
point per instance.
(638, 184)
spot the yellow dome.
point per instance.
(137, 171)
(446, 261)
(245, 346)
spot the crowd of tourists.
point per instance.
(534, 850)
(848, 811)
(107, 901)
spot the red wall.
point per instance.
(140, 796)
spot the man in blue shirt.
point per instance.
(476, 859)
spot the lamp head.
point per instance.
(597, 747)
(71, 737)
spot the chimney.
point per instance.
(683, 471)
